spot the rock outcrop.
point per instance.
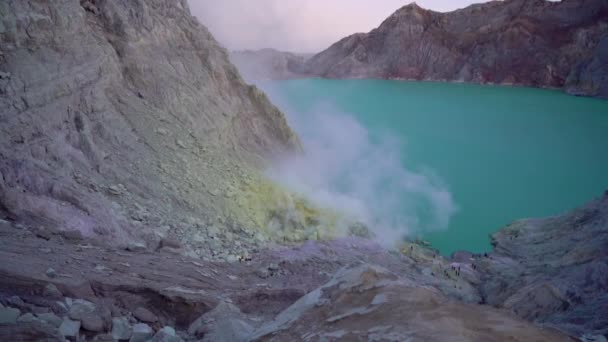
(370, 303)
(534, 43)
(553, 271)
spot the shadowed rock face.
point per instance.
(120, 116)
(553, 271)
(521, 42)
(368, 303)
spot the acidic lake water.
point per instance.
(504, 153)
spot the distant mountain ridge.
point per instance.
(534, 43)
(269, 63)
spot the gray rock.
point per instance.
(39, 309)
(229, 330)
(16, 301)
(51, 291)
(225, 323)
(69, 328)
(262, 272)
(171, 243)
(104, 338)
(141, 333)
(232, 258)
(60, 307)
(51, 273)
(30, 331)
(121, 328)
(593, 338)
(144, 315)
(136, 247)
(26, 318)
(79, 308)
(9, 315)
(92, 322)
(166, 334)
(51, 319)
(117, 190)
(162, 131)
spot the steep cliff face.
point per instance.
(126, 119)
(521, 42)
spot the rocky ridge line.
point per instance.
(535, 43)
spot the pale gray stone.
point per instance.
(121, 328)
(9, 315)
(69, 328)
(141, 333)
(50, 318)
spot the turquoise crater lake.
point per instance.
(504, 153)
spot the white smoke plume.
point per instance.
(345, 169)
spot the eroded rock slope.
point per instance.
(125, 119)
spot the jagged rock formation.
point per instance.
(268, 64)
(371, 303)
(553, 271)
(520, 42)
(126, 120)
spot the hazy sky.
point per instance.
(299, 25)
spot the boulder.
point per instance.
(121, 328)
(79, 308)
(69, 328)
(51, 291)
(225, 323)
(137, 247)
(26, 318)
(144, 315)
(31, 331)
(51, 319)
(16, 301)
(9, 315)
(166, 334)
(92, 322)
(104, 338)
(141, 333)
(51, 273)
